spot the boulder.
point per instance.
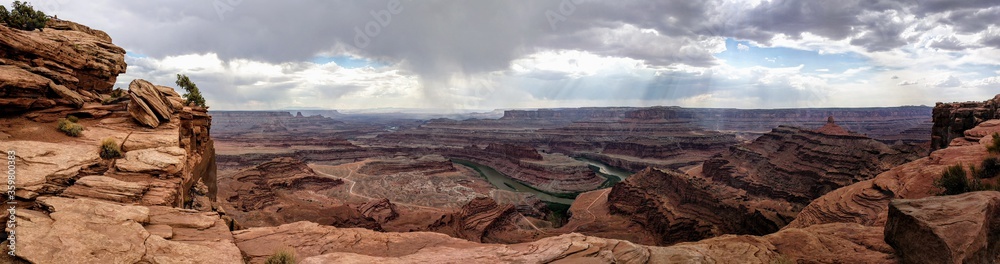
(141, 112)
(153, 98)
(946, 229)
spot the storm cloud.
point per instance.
(263, 54)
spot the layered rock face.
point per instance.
(283, 191)
(754, 188)
(483, 220)
(888, 124)
(798, 165)
(867, 202)
(677, 207)
(952, 119)
(66, 64)
(562, 176)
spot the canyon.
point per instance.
(580, 185)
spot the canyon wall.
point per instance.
(952, 119)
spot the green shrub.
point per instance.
(23, 16)
(69, 127)
(110, 149)
(953, 181)
(281, 257)
(72, 118)
(989, 168)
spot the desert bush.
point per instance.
(989, 168)
(23, 16)
(110, 149)
(69, 127)
(953, 181)
(72, 118)
(281, 257)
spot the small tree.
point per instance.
(23, 16)
(193, 95)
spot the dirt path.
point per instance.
(593, 217)
(350, 190)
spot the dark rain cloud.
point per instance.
(438, 40)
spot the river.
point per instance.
(503, 182)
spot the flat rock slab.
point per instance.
(107, 188)
(146, 140)
(90, 231)
(39, 162)
(961, 228)
(167, 160)
(182, 218)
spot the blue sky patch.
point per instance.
(347, 62)
(778, 57)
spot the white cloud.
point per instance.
(951, 81)
(741, 47)
(242, 84)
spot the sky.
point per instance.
(503, 54)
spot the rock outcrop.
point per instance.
(951, 120)
(66, 64)
(677, 207)
(559, 177)
(148, 105)
(754, 188)
(483, 220)
(949, 229)
(514, 152)
(286, 190)
(798, 165)
(867, 202)
(74, 206)
(382, 210)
